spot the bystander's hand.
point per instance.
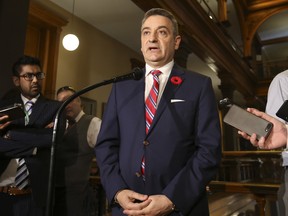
(50, 125)
(277, 137)
(3, 119)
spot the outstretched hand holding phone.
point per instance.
(277, 137)
(247, 122)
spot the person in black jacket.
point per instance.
(28, 137)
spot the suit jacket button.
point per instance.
(145, 142)
(137, 174)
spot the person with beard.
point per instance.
(25, 143)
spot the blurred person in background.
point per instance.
(74, 158)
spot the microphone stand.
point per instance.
(136, 75)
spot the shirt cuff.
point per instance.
(34, 151)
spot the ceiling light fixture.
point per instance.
(70, 41)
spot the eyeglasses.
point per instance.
(30, 76)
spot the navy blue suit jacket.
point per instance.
(182, 150)
(24, 139)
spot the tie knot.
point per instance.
(71, 121)
(28, 106)
(156, 73)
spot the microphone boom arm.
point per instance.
(136, 75)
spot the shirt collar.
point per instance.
(81, 113)
(24, 99)
(166, 69)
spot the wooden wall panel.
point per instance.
(42, 41)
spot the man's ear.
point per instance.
(16, 80)
(177, 41)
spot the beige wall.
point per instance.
(98, 58)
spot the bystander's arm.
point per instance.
(21, 143)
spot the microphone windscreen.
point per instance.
(137, 73)
(226, 102)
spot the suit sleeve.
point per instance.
(23, 142)
(10, 148)
(107, 150)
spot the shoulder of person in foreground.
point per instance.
(277, 93)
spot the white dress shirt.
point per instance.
(93, 129)
(163, 78)
(277, 94)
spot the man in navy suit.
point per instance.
(28, 137)
(182, 146)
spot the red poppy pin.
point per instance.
(176, 80)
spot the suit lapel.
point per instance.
(140, 102)
(37, 110)
(168, 94)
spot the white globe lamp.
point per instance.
(70, 42)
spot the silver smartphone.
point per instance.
(247, 122)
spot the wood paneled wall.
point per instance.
(42, 41)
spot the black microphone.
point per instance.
(226, 102)
(136, 74)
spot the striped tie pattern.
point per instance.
(150, 109)
(21, 179)
(151, 101)
(28, 109)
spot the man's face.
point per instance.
(29, 89)
(73, 108)
(157, 41)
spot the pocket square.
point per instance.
(177, 100)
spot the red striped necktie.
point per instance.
(150, 109)
(151, 101)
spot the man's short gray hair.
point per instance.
(165, 13)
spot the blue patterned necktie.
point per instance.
(28, 111)
(21, 179)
